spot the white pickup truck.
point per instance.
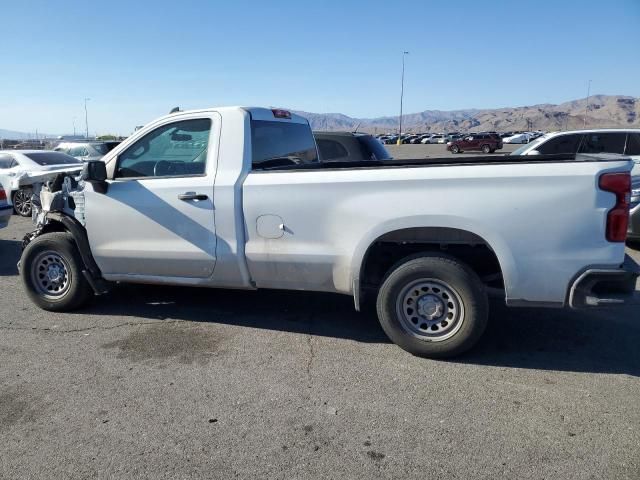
(236, 198)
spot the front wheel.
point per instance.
(51, 271)
(486, 149)
(433, 306)
(22, 202)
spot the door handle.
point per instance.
(192, 196)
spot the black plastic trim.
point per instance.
(598, 286)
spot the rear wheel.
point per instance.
(455, 149)
(51, 271)
(486, 149)
(22, 202)
(433, 306)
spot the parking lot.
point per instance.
(437, 150)
(167, 382)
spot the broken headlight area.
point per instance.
(63, 193)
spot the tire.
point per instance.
(486, 149)
(22, 202)
(455, 149)
(449, 299)
(51, 272)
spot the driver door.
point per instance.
(156, 218)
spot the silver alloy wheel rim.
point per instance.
(430, 310)
(22, 202)
(51, 275)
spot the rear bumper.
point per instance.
(605, 286)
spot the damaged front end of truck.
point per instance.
(58, 206)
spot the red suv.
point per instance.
(485, 142)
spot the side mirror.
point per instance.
(95, 173)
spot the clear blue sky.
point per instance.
(136, 59)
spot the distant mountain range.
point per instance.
(604, 111)
(12, 135)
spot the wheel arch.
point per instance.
(59, 222)
(457, 237)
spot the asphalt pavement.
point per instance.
(165, 382)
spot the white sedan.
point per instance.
(517, 138)
(17, 165)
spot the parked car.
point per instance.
(17, 163)
(438, 138)
(284, 220)
(5, 204)
(349, 147)
(517, 138)
(85, 151)
(620, 141)
(484, 142)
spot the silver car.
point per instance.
(86, 151)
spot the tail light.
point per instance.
(618, 217)
(3, 194)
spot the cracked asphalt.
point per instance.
(157, 382)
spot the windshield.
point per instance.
(372, 149)
(101, 148)
(527, 146)
(52, 158)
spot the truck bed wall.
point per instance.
(544, 221)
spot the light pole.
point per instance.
(586, 107)
(86, 117)
(401, 97)
(74, 126)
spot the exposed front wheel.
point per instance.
(486, 149)
(22, 202)
(433, 306)
(51, 271)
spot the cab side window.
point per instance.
(175, 149)
(560, 144)
(612, 142)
